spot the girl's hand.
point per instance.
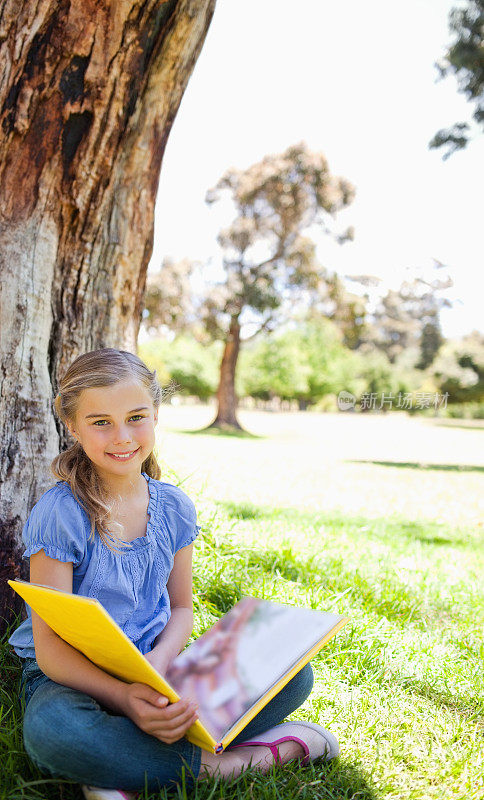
(151, 712)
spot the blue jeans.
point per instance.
(69, 735)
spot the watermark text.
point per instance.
(383, 401)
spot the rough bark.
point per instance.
(88, 93)
(226, 396)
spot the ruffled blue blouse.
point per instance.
(130, 583)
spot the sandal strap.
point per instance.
(273, 747)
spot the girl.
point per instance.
(110, 529)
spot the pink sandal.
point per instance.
(288, 731)
(96, 793)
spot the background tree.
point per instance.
(331, 365)
(169, 302)
(431, 340)
(349, 311)
(88, 95)
(273, 366)
(184, 365)
(410, 318)
(459, 369)
(465, 59)
(268, 258)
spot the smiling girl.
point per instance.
(110, 529)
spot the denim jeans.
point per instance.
(69, 735)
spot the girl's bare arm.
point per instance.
(176, 632)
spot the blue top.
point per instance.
(130, 583)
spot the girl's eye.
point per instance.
(100, 422)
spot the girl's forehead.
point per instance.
(124, 393)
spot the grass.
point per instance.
(402, 685)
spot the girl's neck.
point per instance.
(124, 486)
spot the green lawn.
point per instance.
(378, 518)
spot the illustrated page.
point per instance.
(242, 656)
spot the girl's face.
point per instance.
(115, 426)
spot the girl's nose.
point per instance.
(122, 434)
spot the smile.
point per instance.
(122, 456)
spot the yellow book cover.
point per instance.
(232, 671)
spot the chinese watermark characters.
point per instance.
(403, 401)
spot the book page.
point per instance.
(242, 656)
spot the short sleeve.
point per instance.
(56, 525)
(181, 517)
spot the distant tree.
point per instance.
(169, 300)
(309, 361)
(465, 58)
(303, 363)
(348, 311)
(431, 340)
(331, 365)
(274, 366)
(393, 329)
(410, 317)
(268, 258)
(379, 378)
(459, 368)
(183, 364)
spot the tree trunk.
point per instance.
(89, 90)
(227, 399)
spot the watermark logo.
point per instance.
(346, 401)
(378, 401)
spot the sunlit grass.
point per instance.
(402, 685)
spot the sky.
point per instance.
(356, 81)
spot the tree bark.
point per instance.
(226, 397)
(89, 90)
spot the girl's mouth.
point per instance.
(123, 456)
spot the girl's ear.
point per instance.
(71, 430)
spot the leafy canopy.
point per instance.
(465, 58)
(268, 256)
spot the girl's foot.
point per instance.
(315, 741)
(287, 742)
(96, 793)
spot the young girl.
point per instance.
(110, 529)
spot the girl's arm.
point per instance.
(63, 664)
(176, 632)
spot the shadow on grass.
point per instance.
(337, 780)
(341, 779)
(428, 532)
(384, 594)
(246, 510)
(334, 781)
(219, 433)
(473, 425)
(422, 465)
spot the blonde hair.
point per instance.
(104, 367)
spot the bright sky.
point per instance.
(355, 80)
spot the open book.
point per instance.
(232, 671)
